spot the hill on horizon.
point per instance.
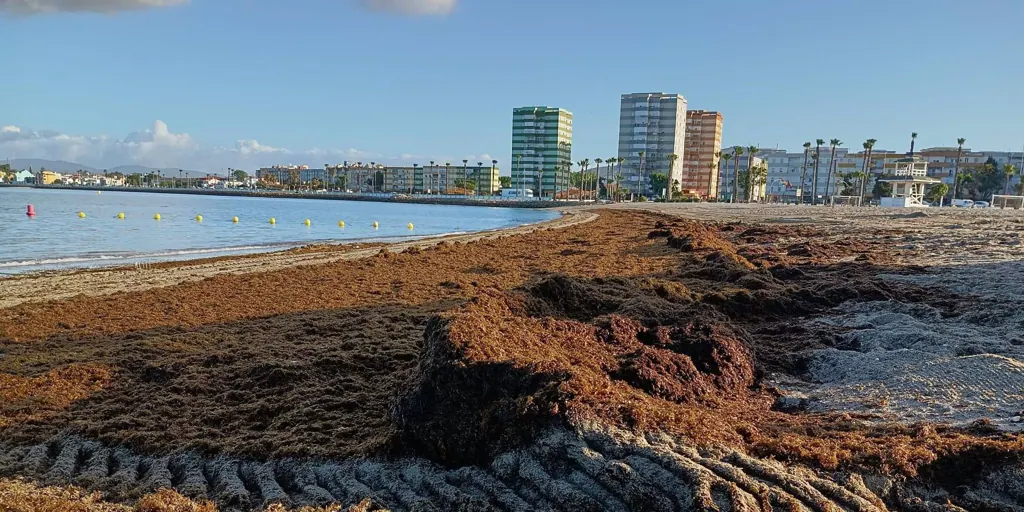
(63, 166)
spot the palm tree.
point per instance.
(465, 162)
(1009, 170)
(583, 169)
(803, 171)
(641, 176)
(956, 169)
(618, 177)
(737, 152)
(870, 145)
(913, 139)
(672, 157)
(490, 178)
(835, 143)
(817, 160)
(607, 177)
(725, 158)
(863, 169)
(751, 151)
(597, 179)
(711, 171)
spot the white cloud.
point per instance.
(485, 158)
(158, 146)
(28, 7)
(411, 7)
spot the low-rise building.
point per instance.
(415, 179)
(785, 169)
(45, 177)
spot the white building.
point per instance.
(786, 168)
(729, 169)
(655, 124)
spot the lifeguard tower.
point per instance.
(908, 183)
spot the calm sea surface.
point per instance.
(57, 238)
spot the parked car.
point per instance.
(962, 203)
(981, 204)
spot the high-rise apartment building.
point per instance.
(541, 149)
(653, 124)
(703, 141)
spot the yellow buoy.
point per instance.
(98, 192)
(375, 225)
(307, 222)
(273, 220)
(156, 216)
(81, 215)
(341, 223)
(410, 225)
(234, 219)
(120, 215)
(199, 218)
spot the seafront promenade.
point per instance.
(383, 197)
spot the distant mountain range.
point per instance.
(62, 166)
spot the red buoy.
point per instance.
(31, 211)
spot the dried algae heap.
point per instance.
(624, 364)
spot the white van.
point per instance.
(962, 203)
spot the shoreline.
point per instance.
(381, 198)
(47, 285)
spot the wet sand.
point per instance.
(638, 361)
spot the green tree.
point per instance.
(846, 180)
(881, 189)
(1008, 170)
(239, 175)
(913, 140)
(341, 181)
(937, 192)
(134, 180)
(967, 180)
(465, 184)
(506, 181)
(659, 182)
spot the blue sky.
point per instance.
(318, 81)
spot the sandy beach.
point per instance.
(624, 357)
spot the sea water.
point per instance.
(57, 238)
